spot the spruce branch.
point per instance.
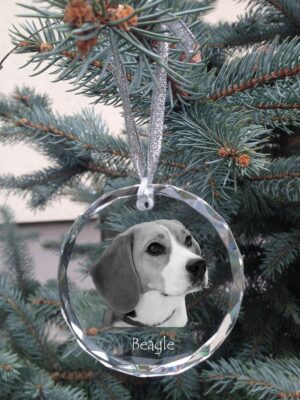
(280, 252)
(136, 39)
(82, 149)
(25, 330)
(54, 174)
(294, 106)
(40, 386)
(109, 386)
(45, 303)
(107, 171)
(279, 5)
(268, 379)
(96, 153)
(273, 105)
(281, 74)
(285, 303)
(271, 177)
(74, 376)
(54, 47)
(284, 7)
(252, 28)
(282, 180)
(42, 185)
(10, 372)
(51, 129)
(263, 67)
(183, 386)
(15, 254)
(239, 147)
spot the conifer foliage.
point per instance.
(232, 136)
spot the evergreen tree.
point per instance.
(232, 137)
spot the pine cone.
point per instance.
(84, 46)
(44, 47)
(243, 160)
(121, 12)
(79, 12)
(223, 152)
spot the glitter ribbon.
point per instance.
(146, 168)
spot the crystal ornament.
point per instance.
(135, 344)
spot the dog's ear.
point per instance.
(115, 276)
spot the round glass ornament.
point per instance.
(174, 345)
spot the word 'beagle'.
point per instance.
(146, 272)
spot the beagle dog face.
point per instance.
(167, 258)
(159, 256)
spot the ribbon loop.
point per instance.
(146, 168)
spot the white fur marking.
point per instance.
(154, 308)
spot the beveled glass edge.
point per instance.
(236, 293)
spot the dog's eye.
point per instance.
(155, 249)
(188, 241)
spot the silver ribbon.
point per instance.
(146, 168)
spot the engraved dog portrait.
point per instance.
(146, 272)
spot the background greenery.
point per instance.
(232, 137)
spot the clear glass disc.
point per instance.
(175, 344)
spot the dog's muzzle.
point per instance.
(196, 270)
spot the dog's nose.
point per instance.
(197, 268)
